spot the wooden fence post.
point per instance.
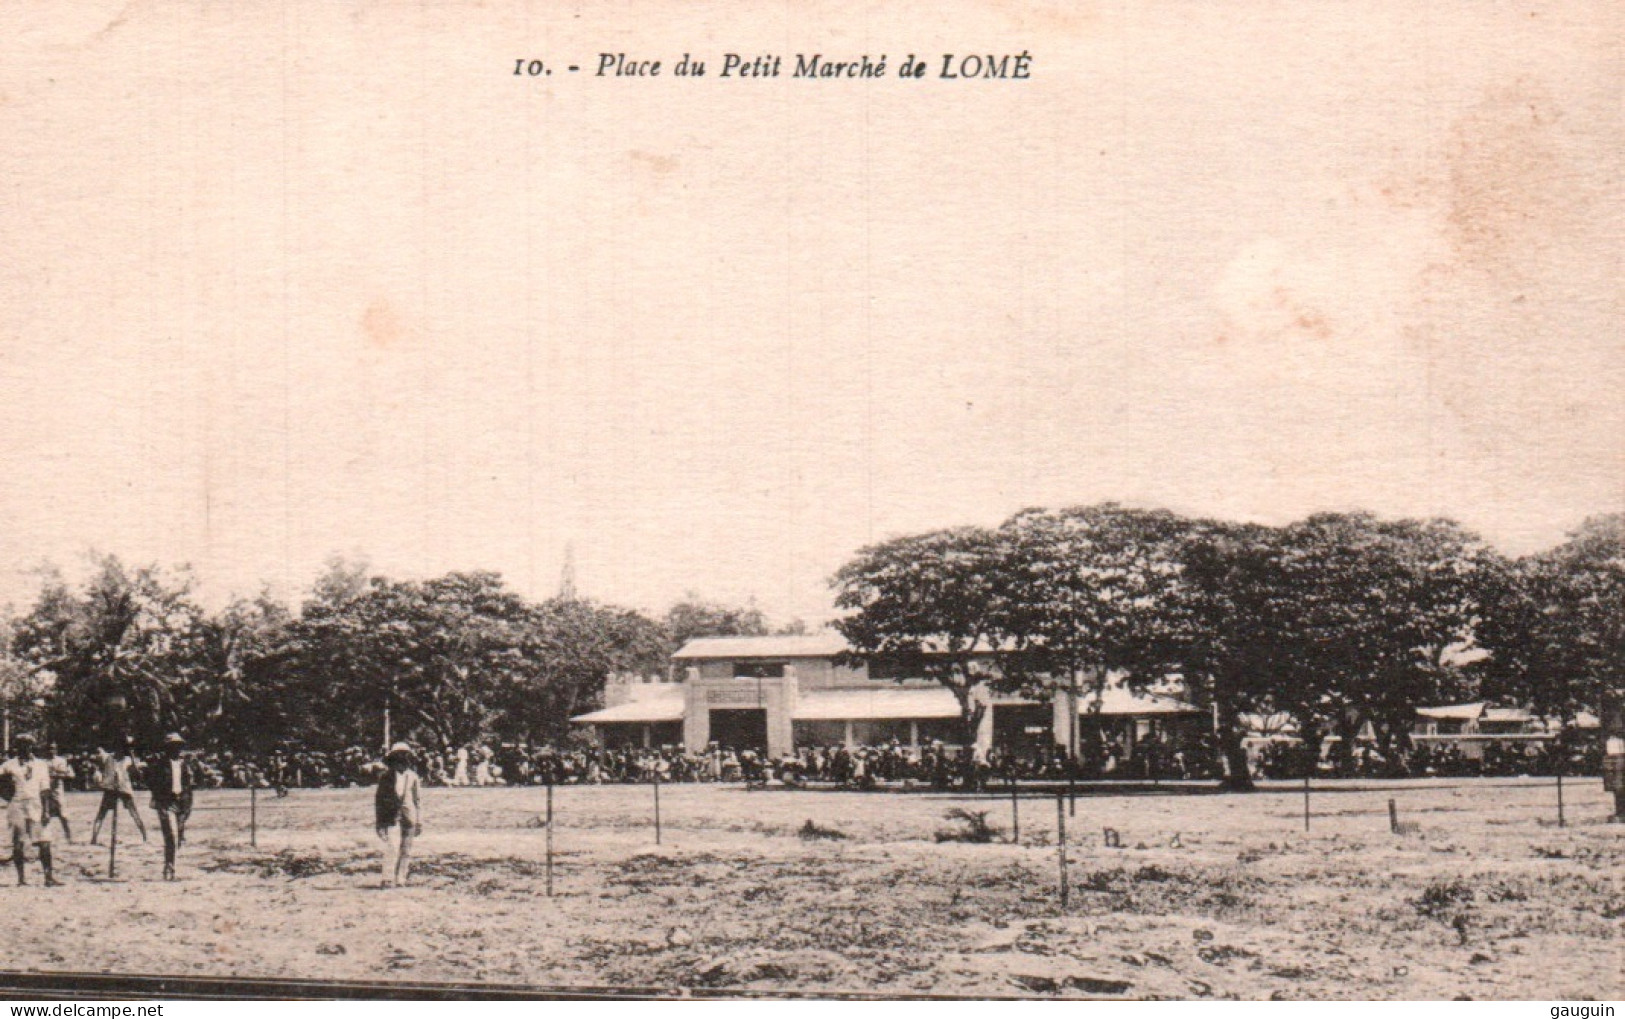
(1060, 845)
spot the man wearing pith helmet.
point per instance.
(399, 813)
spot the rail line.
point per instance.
(37, 985)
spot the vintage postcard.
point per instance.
(861, 500)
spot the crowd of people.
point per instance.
(1491, 758)
(885, 765)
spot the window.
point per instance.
(874, 733)
(890, 669)
(818, 733)
(759, 670)
(948, 730)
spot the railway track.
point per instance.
(37, 986)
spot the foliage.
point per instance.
(1375, 619)
(1554, 625)
(121, 654)
(696, 617)
(933, 605)
(973, 827)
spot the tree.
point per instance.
(453, 659)
(1374, 619)
(1554, 625)
(1219, 626)
(1088, 585)
(121, 653)
(578, 646)
(932, 604)
(22, 688)
(235, 694)
(434, 654)
(696, 617)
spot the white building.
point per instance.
(781, 693)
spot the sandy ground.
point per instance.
(1487, 899)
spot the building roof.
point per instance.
(1115, 700)
(823, 644)
(882, 702)
(1454, 712)
(666, 708)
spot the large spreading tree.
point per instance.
(932, 605)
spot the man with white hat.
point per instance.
(29, 779)
(399, 813)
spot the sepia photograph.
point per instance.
(860, 500)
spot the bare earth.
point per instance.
(1489, 899)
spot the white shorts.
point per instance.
(26, 819)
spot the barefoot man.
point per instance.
(117, 788)
(30, 780)
(61, 775)
(399, 814)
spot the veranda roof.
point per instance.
(1454, 712)
(654, 709)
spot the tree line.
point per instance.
(453, 659)
(1339, 621)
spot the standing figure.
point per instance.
(30, 780)
(116, 788)
(399, 813)
(459, 776)
(171, 780)
(61, 774)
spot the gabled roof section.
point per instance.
(1454, 712)
(824, 644)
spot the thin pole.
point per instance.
(550, 838)
(1560, 820)
(656, 777)
(1393, 818)
(1060, 846)
(1072, 792)
(1306, 801)
(112, 846)
(1015, 812)
(253, 814)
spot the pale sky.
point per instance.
(281, 281)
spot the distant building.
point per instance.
(780, 693)
(1470, 727)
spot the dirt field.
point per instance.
(1488, 899)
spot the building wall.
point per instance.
(777, 696)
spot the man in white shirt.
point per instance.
(30, 780)
(170, 779)
(116, 786)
